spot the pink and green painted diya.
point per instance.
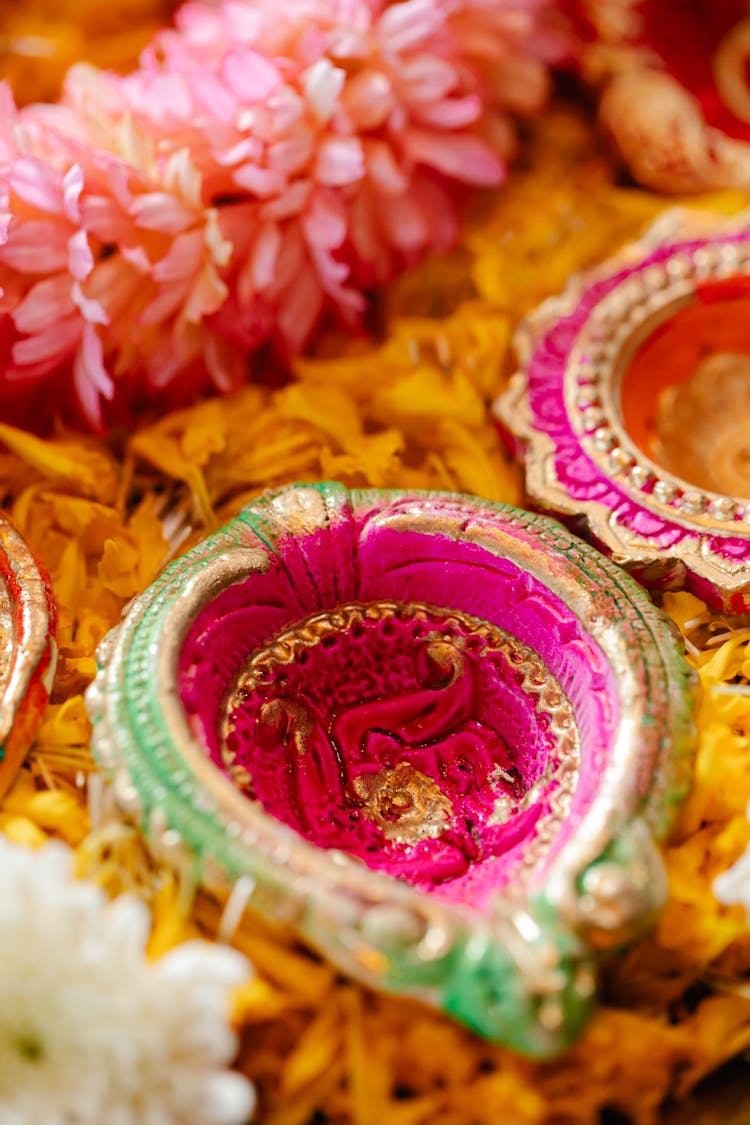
(632, 403)
(27, 649)
(438, 735)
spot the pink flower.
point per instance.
(333, 137)
(266, 165)
(48, 325)
(109, 265)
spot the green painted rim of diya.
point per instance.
(522, 969)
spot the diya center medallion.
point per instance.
(438, 736)
(631, 406)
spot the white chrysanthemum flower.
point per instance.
(90, 1032)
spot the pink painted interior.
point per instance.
(370, 693)
(378, 700)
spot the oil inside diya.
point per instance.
(27, 649)
(439, 737)
(631, 407)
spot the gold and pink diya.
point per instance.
(631, 407)
(438, 736)
(27, 649)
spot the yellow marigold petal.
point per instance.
(171, 911)
(66, 724)
(85, 466)
(54, 811)
(316, 1050)
(22, 831)
(258, 1000)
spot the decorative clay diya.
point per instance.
(27, 650)
(672, 78)
(631, 407)
(437, 735)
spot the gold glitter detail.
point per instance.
(288, 722)
(406, 805)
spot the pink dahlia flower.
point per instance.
(109, 267)
(48, 324)
(266, 164)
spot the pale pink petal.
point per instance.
(404, 26)
(289, 203)
(250, 76)
(368, 98)
(181, 175)
(323, 84)
(340, 161)
(136, 257)
(220, 247)
(262, 182)
(207, 295)
(427, 78)
(383, 169)
(464, 158)
(36, 184)
(292, 154)
(331, 272)
(451, 113)
(247, 149)
(167, 302)
(325, 220)
(159, 211)
(302, 306)
(45, 303)
(164, 97)
(92, 354)
(90, 378)
(226, 366)
(8, 114)
(212, 96)
(90, 309)
(80, 258)
(405, 225)
(36, 246)
(104, 218)
(72, 188)
(287, 108)
(182, 259)
(116, 285)
(55, 342)
(264, 255)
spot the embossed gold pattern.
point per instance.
(289, 723)
(405, 804)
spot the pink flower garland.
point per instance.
(266, 164)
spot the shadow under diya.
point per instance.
(28, 653)
(631, 406)
(439, 735)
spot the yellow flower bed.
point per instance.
(409, 411)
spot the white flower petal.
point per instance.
(90, 1032)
